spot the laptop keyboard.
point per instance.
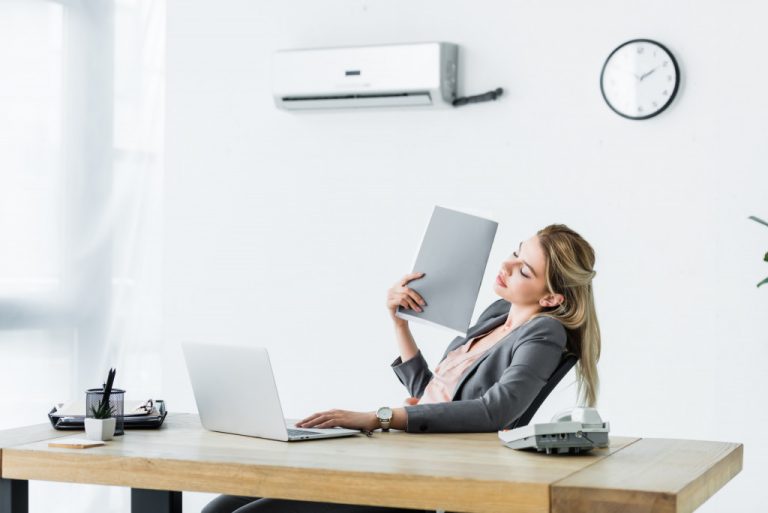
(300, 432)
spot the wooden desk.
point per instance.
(13, 494)
(461, 472)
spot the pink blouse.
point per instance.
(448, 372)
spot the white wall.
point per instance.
(286, 229)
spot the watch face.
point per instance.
(639, 79)
(384, 413)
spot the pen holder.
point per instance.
(93, 398)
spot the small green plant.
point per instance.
(765, 258)
(104, 410)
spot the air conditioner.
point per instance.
(419, 74)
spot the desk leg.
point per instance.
(153, 501)
(14, 496)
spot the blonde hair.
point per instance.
(569, 271)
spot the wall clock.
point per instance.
(639, 79)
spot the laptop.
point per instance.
(235, 392)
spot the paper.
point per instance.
(77, 409)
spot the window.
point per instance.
(81, 176)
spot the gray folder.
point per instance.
(453, 256)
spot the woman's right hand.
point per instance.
(402, 295)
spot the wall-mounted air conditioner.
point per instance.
(419, 74)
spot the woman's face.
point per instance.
(521, 279)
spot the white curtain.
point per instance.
(81, 176)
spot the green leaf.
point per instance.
(758, 220)
(103, 410)
(763, 282)
(766, 257)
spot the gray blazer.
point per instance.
(496, 389)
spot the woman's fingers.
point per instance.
(326, 422)
(411, 305)
(327, 425)
(413, 296)
(312, 422)
(416, 297)
(309, 419)
(410, 277)
(314, 419)
(401, 295)
(400, 300)
(407, 302)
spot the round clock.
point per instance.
(639, 79)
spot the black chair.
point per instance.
(566, 362)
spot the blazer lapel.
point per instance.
(491, 324)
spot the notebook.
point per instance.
(75, 443)
(453, 255)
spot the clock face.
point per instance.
(639, 79)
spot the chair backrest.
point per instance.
(567, 361)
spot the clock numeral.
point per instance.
(640, 49)
(639, 109)
(655, 105)
(665, 93)
(665, 63)
(669, 78)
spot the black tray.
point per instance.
(77, 423)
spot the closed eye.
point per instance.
(521, 269)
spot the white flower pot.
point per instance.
(100, 429)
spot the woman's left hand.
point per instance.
(341, 418)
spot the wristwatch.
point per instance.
(384, 414)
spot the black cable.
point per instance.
(486, 97)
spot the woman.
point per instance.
(487, 379)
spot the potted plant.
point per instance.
(765, 258)
(100, 423)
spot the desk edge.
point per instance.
(685, 500)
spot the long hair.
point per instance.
(569, 271)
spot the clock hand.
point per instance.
(646, 74)
(627, 70)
